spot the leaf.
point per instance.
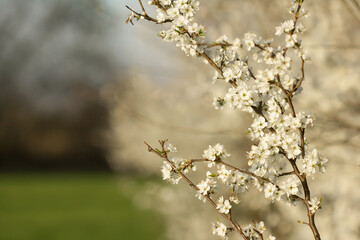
(158, 151)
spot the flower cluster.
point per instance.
(220, 230)
(280, 160)
(205, 188)
(237, 181)
(315, 204)
(170, 148)
(171, 173)
(251, 231)
(313, 160)
(184, 30)
(223, 206)
(214, 153)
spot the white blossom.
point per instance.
(220, 230)
(248, 41)
(234, 199)
(205, 188)
(169, 174)
(223, 206)
(270, 190)
(315, 204)
(224, 174)
(215, 152)
(313, 160)
(287, 26)
(210, 153)
(260, 226)
(290, 40)
(170, 147)
(160, 16)
(271, 238)
(291, 186)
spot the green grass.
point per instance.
(72, 206)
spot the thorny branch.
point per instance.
(143, 15)
(163, 155)
(301, 177)
(288, 96)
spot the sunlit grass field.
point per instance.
(71, 206)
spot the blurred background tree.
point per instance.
(55, 56)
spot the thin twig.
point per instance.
(255, 230)
(286, 173)
(147, 17)
(301, 79)
(163, 155)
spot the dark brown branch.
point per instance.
(301, 177)
(146, 16)
(286, 174)
(301, 79)
(218, 69)
(210, 45)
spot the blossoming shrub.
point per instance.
(263, 80)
